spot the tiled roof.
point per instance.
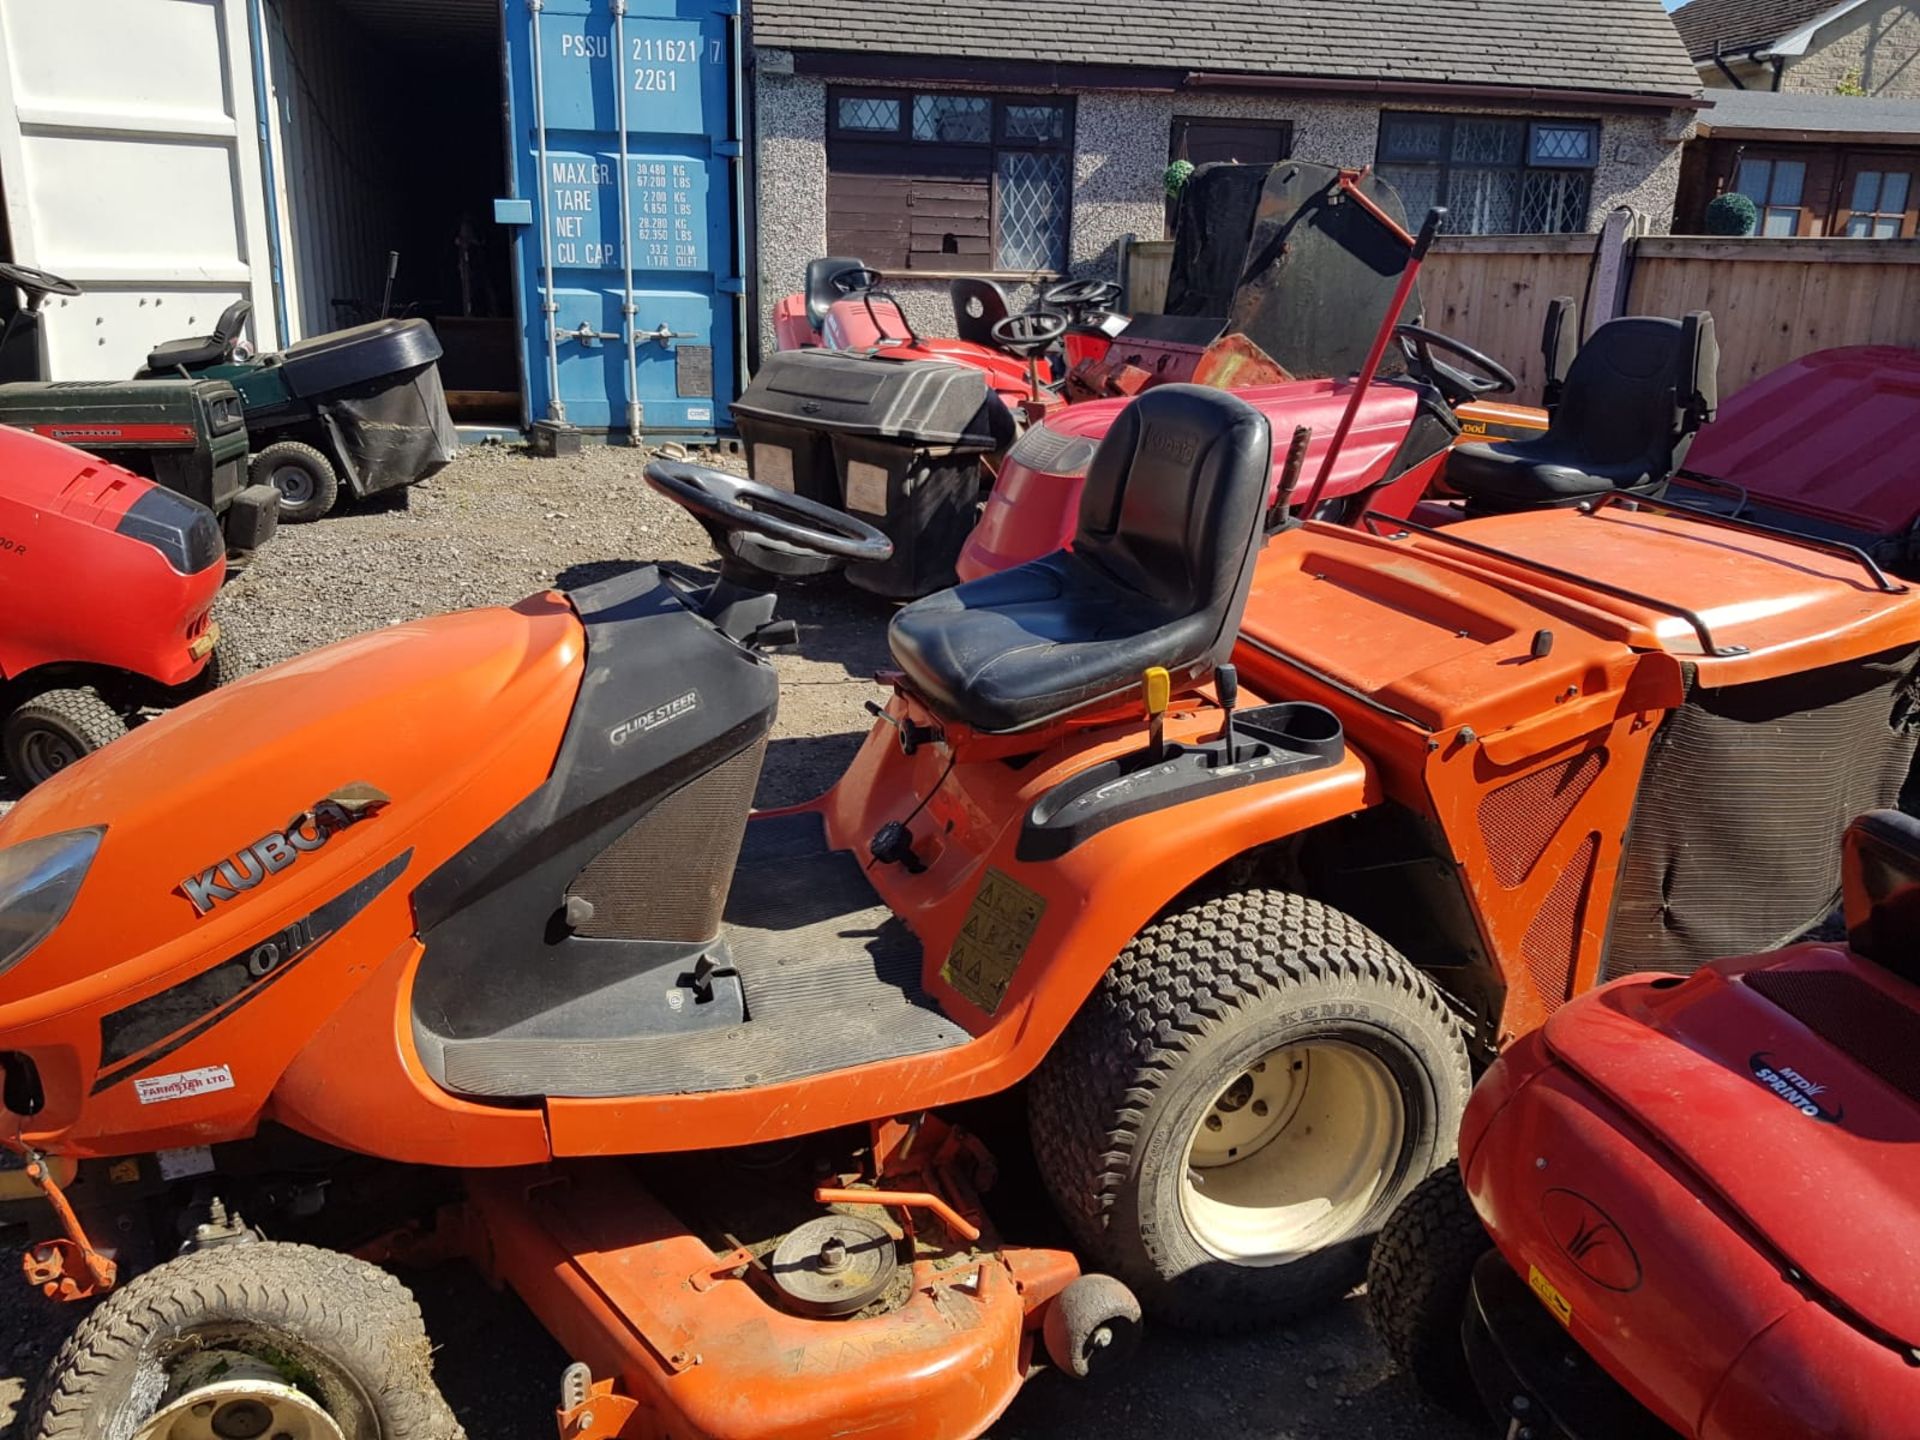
(1602, 45)
(1735, 111)
(1740, 25)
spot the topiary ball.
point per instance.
(1732, 214)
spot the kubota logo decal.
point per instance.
(270, 854)
(1587, 1236)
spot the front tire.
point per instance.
(1417, 1286)
(56, 729)
(304, 477)
(1240, 1104)
(337, 1332)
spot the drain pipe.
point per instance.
(628, 310)
(745, 314)
(550, 307)
(263, 118)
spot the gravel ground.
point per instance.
(499, 525)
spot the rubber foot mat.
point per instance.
(831, 979)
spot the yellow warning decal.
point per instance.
(993, 939)
(1550, 1297)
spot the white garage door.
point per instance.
(129, 159)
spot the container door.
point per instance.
(628, 259)
(130, 163)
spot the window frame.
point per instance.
(1883, 162)
(1444, 166)
(1804, 211)
(991, 150)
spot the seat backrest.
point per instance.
(232, 319)
(820, 289)
(978, 305)
(1640, 388)
(1559, 344)
(1173, 503)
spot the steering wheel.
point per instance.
(36, 283)
(1030, 333)
(1458, 386)
(733, 503)
(1077, 295)
(856, 280)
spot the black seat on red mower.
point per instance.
(204, 349)
(820, 288)
(1633, 399)
(1158, 575)
(978, 305)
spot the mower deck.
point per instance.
(699, 1345)
(830, 978)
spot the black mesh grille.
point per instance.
(1520, 818)
(1853, 1016)
(1553, 939)
(666, 878)
(1735, 844)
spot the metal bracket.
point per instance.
(70, 1268)
(585, 334)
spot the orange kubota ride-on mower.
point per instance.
(490, 900)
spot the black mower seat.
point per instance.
(1158, 575)
(820, 289)
(978, 305)
(203, 349)
(1632, 401)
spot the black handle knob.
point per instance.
(1226, 683)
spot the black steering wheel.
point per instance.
(1030, 333)
(734, 504)
(856, 280)
(1458, 386)
(1075, 296)
(36, 283)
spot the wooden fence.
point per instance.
(1772, 300)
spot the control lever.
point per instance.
(1226, 684)
(912, 736)
(1158, 686)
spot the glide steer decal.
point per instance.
(270, 854)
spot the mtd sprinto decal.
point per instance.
(270, 854)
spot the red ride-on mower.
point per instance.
(912, 445)
(846, 307)
(1689, 1205)
(106, 581)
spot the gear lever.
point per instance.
(1226, 684)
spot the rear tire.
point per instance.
(304, 477)
(56, 729)
(1417, 1286)
(1240, 1104)
(340, 1331)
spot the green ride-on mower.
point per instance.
(187, 434)
(360, 410)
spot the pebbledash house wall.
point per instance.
(1121, 141)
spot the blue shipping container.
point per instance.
(625, 118)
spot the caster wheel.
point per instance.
(1092, 1327)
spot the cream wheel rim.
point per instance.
(1291, 1155)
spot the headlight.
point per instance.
(38, 880)
(1048, 452)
